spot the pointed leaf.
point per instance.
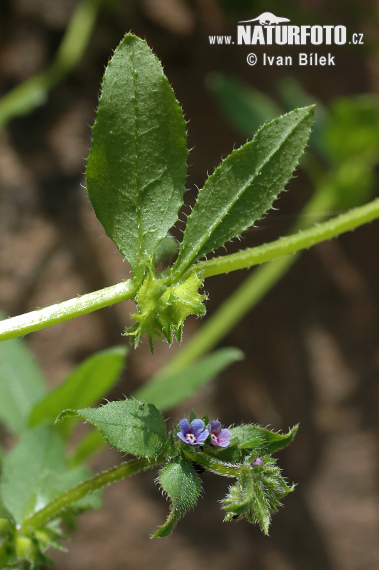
(85, 386)
(251, 436)
(169, 390)
(257, 493)
(21, 384)
(137, 166)
(260, 509)
(244, 186)
(179, 480)
(130, 426)
(240, 495)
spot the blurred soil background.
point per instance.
(311, 345)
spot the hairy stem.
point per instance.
(232, 310)
(24, 324)
(81, 305)
(212, 464)
(291, 244)
(245, 297)
(53, 509)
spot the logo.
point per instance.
(266, 19)
(267, 29)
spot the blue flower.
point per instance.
(219, 436)
(194, 433)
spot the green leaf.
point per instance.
(21, 384)
(130, 426)
(260, 509)
(180, 482)
(169, 390)
(244, 186)
(257, 493)
(251, 436)
(85, 386)
(35, 471)
(240, 495)
(137, 166)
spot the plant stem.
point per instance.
(53, 509)
(24, 324)
(246, 296)
(214, 329)
(290, 244)
(212, 464)
(33, 92)
(60, 312)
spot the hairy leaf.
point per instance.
(257, 493)
(130, 426)
(137, 166)
(179, 480)
(244, 186)
(251, 436)
(241, 494)
(260, 511)
(85, 386)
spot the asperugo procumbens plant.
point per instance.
(136, 175)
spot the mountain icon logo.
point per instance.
(266, 19)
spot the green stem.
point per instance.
(214, 329)
(212, 464)
(33, 92)
(55, 507)
(24, 324)
(291, 244)
(248, 294)
(60, 312)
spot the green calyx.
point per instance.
(164, 306)
(257, 494)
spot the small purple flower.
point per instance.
(257, 461)
(219, 436)
(194, 433)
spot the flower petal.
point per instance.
(223, 438)
(197, 426)
(182, 437)
(202, 436)
(215, 427)
(184, 426)
(224, 434)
